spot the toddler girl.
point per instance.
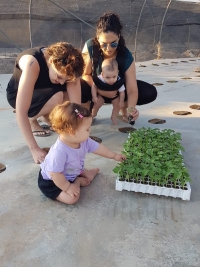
(62, 172)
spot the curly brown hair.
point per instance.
(64, 118)
(67, 59)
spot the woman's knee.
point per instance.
(147, 93)
(57, 98)
(151, 93)
(85, 92)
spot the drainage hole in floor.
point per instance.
(126, 129)
(182, 112)
(157, 84)
(2, 167)
(97, 139)
(195, 107)
(157, 121)
(172, 81)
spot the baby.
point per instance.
(108, 75)
(63, 172)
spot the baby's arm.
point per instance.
(61, 182)
(94, 93)
(107, 153)
(121, 99)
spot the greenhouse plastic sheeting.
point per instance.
(152, 28)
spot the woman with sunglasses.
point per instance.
(43, 77)
(110, 44)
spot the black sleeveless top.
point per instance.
(43, 80)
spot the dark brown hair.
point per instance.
(110, 22)
(67, 59)
(64, 118)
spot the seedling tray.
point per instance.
(154, 189)
(154, 164)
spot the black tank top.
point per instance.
(43, 80)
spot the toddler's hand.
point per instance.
(119, 157)
(73, 190)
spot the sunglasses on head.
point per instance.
(113, 45)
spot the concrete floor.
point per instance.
(106, 227)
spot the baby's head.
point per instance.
(69, 118)
(110, 71)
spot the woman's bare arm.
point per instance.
(131, 86)
(30, 71)
(87, 74)
(74, 91)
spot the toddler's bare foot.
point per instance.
(90, 174)
(83, 181)
(114, 120)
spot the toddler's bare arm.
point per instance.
(107, 153)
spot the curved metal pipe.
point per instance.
(10, 40)
(66, 11)
(137, 28)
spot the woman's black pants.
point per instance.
(147, 93)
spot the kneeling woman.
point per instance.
(110, 44)
(43, 77)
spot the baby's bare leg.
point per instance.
(90, 174)
(67, 199)
(123, 111)
(97, 106)
(115, 110)
(86, 177)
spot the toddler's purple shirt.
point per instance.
(69, 161)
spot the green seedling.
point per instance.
(153, 156)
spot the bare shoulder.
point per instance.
(27, 62)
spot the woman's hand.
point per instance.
(133, 113)
(109, 94)
(38, 155)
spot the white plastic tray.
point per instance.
(153, 189)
